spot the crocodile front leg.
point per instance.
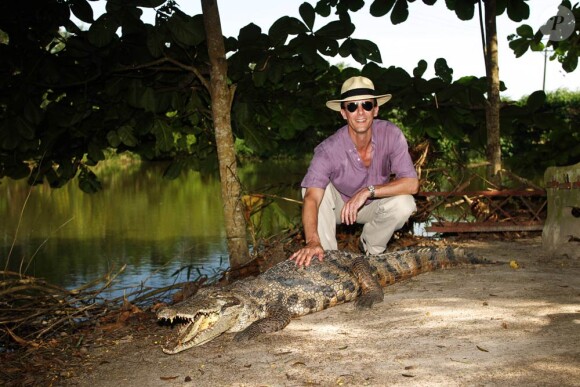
(371, 289)
(278, 318)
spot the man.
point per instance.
(349, 181)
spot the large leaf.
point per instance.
(163, 134)
(278, 32)
(351, 5)
(363, 50)
(519, 46)
(186, 29)
(254, 135)
(24, 128)
(306, 45)
(299, 119)
(400, 12)
(126, 136)
(148, 3)
(369, 49)
(155, 42)
(322, 8)
(518, 10)
(66, 171)
(9, 139)
(464, 9)
(250, 34)
(95, 152)
(148, 100)
(275, 72)
(88, 181)
(421, 85)
(537, 45)
(443, 71)
(82, 10)
(448, 92)
(500, 7)
(434, 85)
(71, 27)
(32, 112)
(173, 170)
(135, 91)
(397, 77)
(570, 62)
(525, 31)
(326, 46)
(307, 14)
(113, 139)
(381, 7)
(131, 22)
(103, 30)
(16, 171)
(337, 29)
(420, 69)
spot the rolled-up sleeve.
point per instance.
(320, 169)
(401, 163)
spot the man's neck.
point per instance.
(361, 140)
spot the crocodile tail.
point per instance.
(463, 256)
(399, 265)
(449, 256)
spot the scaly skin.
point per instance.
(268, 302)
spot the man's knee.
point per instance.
(407, 204)
(400, 207)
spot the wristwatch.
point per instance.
(371, 189)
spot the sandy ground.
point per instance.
(483, 325)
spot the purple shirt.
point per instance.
(336, 160)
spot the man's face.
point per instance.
(358, 118)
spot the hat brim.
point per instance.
(336, 103)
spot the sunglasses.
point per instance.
(367, 105)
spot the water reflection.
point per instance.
(154, 226)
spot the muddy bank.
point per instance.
(465, 326)
(481, 325)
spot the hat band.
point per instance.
(355, 92)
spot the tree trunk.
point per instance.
(221, 97)
(493, 105)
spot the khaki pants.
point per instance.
(381, 218)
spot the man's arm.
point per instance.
(402, 186)
(313, 248)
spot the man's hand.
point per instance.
(305, 254)
(350, 210)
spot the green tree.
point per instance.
(221, 99)
(565, 50)
(549, 137)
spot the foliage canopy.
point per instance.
(67, 94)
(566, 51)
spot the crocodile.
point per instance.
(266, 303)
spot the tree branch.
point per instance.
(160, 61)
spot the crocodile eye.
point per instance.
(231, 302)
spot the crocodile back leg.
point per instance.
(371, 291)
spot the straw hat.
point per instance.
(355, 89)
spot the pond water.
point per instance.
(156, 227)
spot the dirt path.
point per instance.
(491, 325)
